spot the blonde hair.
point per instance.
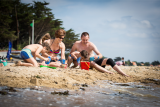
(60, 33)
(46, 37)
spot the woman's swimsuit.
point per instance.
(55, 51)
(26, 54)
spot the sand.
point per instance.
(73, 78)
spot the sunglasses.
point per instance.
(61, 38)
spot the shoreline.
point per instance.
(72, 78)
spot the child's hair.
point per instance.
(84, 53)
(46, 37)
(45, 44)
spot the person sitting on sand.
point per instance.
(30, 52)
(120, 63)
(96, 61)
(78, 56)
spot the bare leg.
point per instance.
(19, 63)
(75, 64)
(30, 62)
(99, 68)
(54, 64)
(69, 61)
(116, 68)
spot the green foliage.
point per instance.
(19, 47)
(154, 63)
(138, 63)
(6, 32)
(146, 64)
(128, 63)
(117, 59)
(16, 18)
(70, 39)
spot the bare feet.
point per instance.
(110, 72)
(1, 65)
(18, 63)
(126, 75)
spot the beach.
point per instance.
(73, 78)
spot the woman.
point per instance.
(56, 45)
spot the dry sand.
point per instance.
(69, 78)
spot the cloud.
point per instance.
(114, 25)
(146, 23)
(118, 25)
(138, 35)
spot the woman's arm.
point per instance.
(62, 50)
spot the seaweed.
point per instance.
(3, 92)
(60, 93)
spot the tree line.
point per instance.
(15, 20)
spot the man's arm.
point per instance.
(99, 55)
(74, 48)
(63, 51)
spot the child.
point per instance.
(44, 38)
(30, 52)
(78, 56)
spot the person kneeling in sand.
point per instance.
(78, 56)
(30, 52)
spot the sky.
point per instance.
(118, 28)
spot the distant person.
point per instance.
(120, 63)
(30, 52)
(123, 62)
(96, 61)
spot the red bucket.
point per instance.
(85, 65)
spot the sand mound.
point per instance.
(22, 77)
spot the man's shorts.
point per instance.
(26, 54)
(99, 62)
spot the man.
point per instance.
(97, 61)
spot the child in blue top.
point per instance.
(78, 56)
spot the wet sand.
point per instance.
(69, 78)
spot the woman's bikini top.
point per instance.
(55, 51)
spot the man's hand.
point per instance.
(96, 57)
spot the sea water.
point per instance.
(103, 94)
